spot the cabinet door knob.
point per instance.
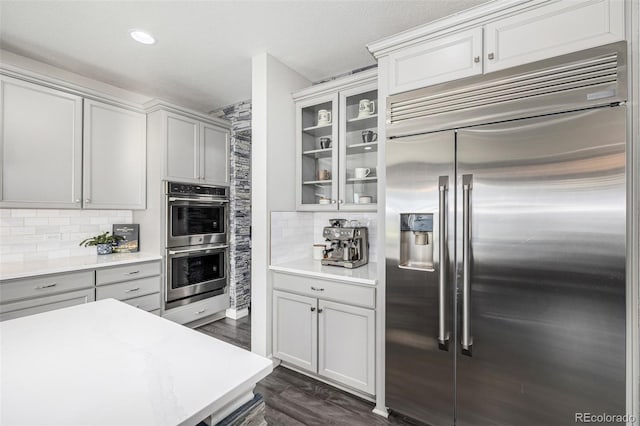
(476, 59)
(490, 56)
(320, 310)
(88, 200)
(333, 201)
(313, 309)
(340, 201)
(78, 200)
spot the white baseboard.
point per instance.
(237, 313)
(384, 412)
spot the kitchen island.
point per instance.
(107, 363)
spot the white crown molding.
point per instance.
(460, 21)
(158, 104)
(342, 83)
(66, 86)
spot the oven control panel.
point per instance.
(175, 188)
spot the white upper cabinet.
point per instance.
(182, 148)
(435, 61)
(552, 30)
(196, 151)
(40, 146)
(214, 154)
(337, 144)
(495, 36)
(114, 174)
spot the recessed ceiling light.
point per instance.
(142, 37)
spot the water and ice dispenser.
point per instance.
(416, 241)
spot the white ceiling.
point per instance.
(202, 59)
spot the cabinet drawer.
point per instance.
(43, 286)
(127, 272)
(129, 289)
(44, 304)
(150, 302)
(323, 289)
(198, 310)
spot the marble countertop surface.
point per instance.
(108, 363)
(12, 270)
(366, 274)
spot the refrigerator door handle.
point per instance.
(443, 334)
(466, 340)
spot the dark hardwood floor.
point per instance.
(293, 399)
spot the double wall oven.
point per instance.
(197, 250)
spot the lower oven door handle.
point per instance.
(191, 250)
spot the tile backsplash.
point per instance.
(38, 234)
(294, 233)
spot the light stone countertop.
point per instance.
(108, 363)
(366, 274)
(13, 270)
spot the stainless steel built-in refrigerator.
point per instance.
(505, 245)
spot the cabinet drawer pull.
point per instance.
(316, 289)
(132, 290)
(132, 273)
(201, 311)
(40, 287)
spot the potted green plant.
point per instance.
(103, 242)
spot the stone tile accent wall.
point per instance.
(38, 234)
(240, 205)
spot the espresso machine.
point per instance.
(349, 244)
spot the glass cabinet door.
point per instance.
(317, 154)
(359, 148)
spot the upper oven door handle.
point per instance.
(208, 200)
(191, 250)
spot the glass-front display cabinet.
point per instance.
(317, 153)
(358, 160)
(337, 145)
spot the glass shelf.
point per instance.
(318, 182)
(364, 180)
(362, 148)
(319, 153)
(321, 130)
(360, 123)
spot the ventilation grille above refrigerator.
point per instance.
(576, 81)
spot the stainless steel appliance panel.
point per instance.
(546, 269)
(195, 271)
(195, 222)
(419, 371)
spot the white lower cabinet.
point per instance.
(346, 345)
(37, 305)
(136, 284)
(27, 296)
(330, 339)
(199, 310)
(295, 331)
